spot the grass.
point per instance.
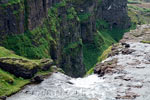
(10, 84)
(139, 15)
(100, 58)
(148, 42)
(92, 52)
(103, 39)
(105, 54)
(5, 53)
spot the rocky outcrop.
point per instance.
(23, 67)
(129, 74)
(18, 67)
(115, 13)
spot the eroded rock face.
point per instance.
(18, 67)
(115, 13)
(29, 14)
(24, 68)
(131, 70)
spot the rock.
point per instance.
(19, 67)
(37, 79)
(70, 82)
(45, 64)
(70, 30)
(106, 67)
(126, 45)
(3, 98)
(128, 96)
(127, 51)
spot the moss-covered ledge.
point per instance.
(15, 69)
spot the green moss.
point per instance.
(84, 17)
(71, 13)
(61, 4)
(103, 39)
(73, 48)
(101, 24)
(92, 52)
(99, 1)
(90, 71)
(11, 2)
(148, 42)
(10, 84)
(138, 15)
(105, 54)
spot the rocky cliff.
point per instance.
(58, 28)
(127, 66)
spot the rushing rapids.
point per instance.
(129, 81)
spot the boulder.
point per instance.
(106, 67)
(45, 64)
(37, 79)
(127, 51)
(3, 98)
(19, 67)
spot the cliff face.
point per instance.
(115, 12)
(17, 17)
(63, 26)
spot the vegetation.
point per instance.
(11, 2)
(148, 42)
(139, 13)
(73, 48)
(10, 84)
(84, 16)
(103, 56)
(103, 39)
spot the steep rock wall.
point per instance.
(62, 25)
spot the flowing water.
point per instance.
(132, 82)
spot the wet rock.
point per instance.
(126, 45)
(106, 67)
(3, 98)
(127, 51)
(147, 57)
(37, 79)
(70, 82)
(136, 85)
(128, 96)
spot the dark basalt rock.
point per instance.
(127, 51)
(18, 67)
(37, 79)
(126, 45)
(3, 98)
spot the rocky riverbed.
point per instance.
(124, 75)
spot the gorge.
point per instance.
(59, 41)
(126, 76)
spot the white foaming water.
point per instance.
(61, 87)
(87, 82)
